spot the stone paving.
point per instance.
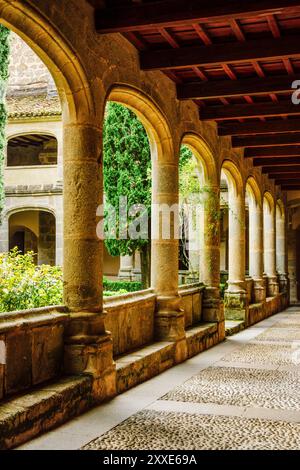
(152, 430)
(242, 394)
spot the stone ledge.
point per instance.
(232, 327)
(42, 409)
(187, 289)
(137, 367)
(202, 337)
(33, 189)
(32, 318)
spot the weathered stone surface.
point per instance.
(130, 319)
(197, 307)
(241, 387)
(1, 381)
(25, 417)
(47, 353)
(154, 430)
(187, 305)
(18, 367)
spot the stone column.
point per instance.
(236, 295)
(292, 237)
(256, 251)
(88, 346)
(169, 318)
(126, 268)
(281, 261)
(269, 251)
(210, 257)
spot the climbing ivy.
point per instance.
(4, 63)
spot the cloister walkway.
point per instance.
(241, 394)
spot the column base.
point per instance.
(259, 291)
(169, 319)
(89, 350)
(272, 286)
(283, 281)
(236, 302)
(212, 306)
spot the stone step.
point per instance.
(145, 363)
(43, 408)
(232, 327)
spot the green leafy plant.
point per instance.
(23, 285)
(4, 63)
(117, 286)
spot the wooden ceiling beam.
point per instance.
(289, 169)
(220, 54)
(226, 88)
(237, 111)
(279, 162)
(279, 151)
(266, 140)
(170, 13)
(267, 127)
(290, 187)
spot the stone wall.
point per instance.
(31, 346)
(27, 73)
(130, 319)
(191, 298)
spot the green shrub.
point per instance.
(23, 285)
(109, 293)
(116, 286)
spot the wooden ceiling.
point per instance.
(236, 59)
(30, 140)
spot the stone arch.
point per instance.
(236, 234)
(18, 154)
(280, 208)
(253, 191)
(52, 48)
(152, 118)
(25, 207)
(204, 155)
(233, 177)
(269, 200)
(33, 130)
(33, 228)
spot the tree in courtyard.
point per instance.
(4, 63)
(127, 173)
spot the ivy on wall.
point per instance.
(4, 63)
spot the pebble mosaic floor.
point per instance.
(249, 399)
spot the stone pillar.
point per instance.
(235, 296)
(210, 257)
(169, 318)
(292, 237)
(281, 262)
(269, 251)
(256, 251)
(126, 268)
(88, 346)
